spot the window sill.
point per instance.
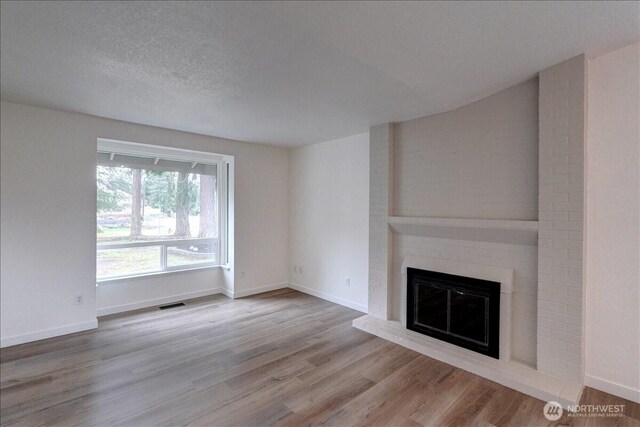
(120, 279)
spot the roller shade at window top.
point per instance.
(121, 160)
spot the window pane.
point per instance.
(136, 204)
(128, 261)
(192, 254)
(146, 202)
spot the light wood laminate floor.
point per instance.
(281, 358)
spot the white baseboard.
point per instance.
(613, 388)
(338, 300)
(48, 333)
(258, 290)
(78, 327)
(159, 301)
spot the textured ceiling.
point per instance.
(289, 73)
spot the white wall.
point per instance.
(613, 223)
(149, 291)
(329, 211)
(48, 219)
(47, 225)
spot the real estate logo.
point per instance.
(553, 411)
(596, 410)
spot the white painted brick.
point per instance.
(576, 273)
(463, 164)
(561, 147)
(471, 164)
(476, 162)
(381, 160)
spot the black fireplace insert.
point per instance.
(460, 310)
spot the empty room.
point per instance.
(347, 213)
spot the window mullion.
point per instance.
(163, 257)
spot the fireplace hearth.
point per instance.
(464, 311)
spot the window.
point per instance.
(158, 210)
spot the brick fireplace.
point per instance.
(492, 190)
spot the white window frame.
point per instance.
(115, 147)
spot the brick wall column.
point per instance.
(380, 207)
(562, 112)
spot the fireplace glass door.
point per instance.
(460, 310)
(462, 314)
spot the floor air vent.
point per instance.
(164, 307)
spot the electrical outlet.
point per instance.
(243, 273)
(347, 281)
(295, 268)
(300, 269)
(79, 299)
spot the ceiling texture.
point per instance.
(289, 73)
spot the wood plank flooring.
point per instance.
(280, 358)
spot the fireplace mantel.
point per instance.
(484, 230)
